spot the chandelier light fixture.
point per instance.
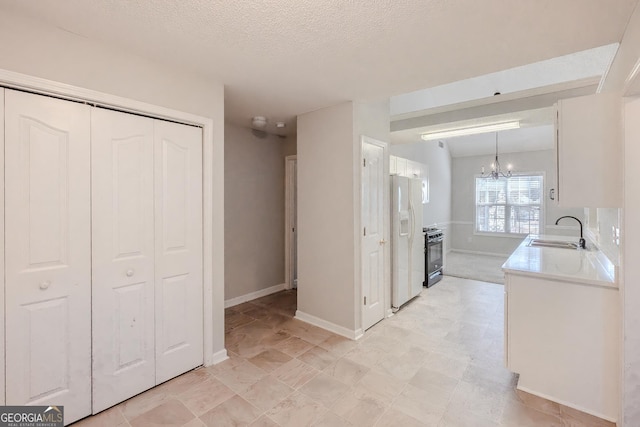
(495, 167)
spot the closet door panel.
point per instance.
(178, 236)
(123, 256)
(2, 401)
(48, 253)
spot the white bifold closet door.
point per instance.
(178, 241)
(47, 253)
(2, 347)
(147, 253)
(123, 256)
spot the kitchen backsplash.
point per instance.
(603, 227)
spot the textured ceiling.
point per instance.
(281, 59)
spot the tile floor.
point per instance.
(437, 362)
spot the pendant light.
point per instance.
(495, 167)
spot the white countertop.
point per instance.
(588, 266)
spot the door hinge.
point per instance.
(365, 231)
(365, 300)
(364, 162)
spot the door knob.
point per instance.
(382, 242)
(45, 285)
(130, 272)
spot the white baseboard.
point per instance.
(331, 327)
(389, 313)
(254, 295)
(217, 357)
(464, 251)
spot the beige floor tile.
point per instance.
(517, 414)
(297, 410)
(234, 320)
(241, 376)
(426, 379)
(382, 385)
(368, 357)
(266, 393)
(318, 357)
(196, 422)
(184, 382)
(110, 418)
(275, 339)
(535, 402)
(346, 371)
(206, 395)
(295, 373)
(294, 346)
(395, 418)
(484, 402)
(270, 359)
(338, 345)
(447, 364)
(324, 389)
(232, 412)
(428, 406)
(331, 419)
(264, 421)
(359, 409)
(231, 361)
(170, 413)
(455, 418)
(143, 402)
(575, 418)
(403, 367)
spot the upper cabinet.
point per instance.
(588, 148)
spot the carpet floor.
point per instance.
(486, 268)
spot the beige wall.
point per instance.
(38, 50)
(254, 210)
(326, 270)
(463, 201)
(328, 150)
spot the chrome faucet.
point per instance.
(582, 242)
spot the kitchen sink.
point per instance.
(553, 244)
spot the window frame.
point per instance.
(507, 209)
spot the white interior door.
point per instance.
(123, 256)
(373, 246)
(2, 401)
(291, 222)
(178, 235)
(417, 237)
(48, 253)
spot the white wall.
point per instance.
(254, 210)
(32, 48)
(465, 170)
(438, 210)
(617, 80)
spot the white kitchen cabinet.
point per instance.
(588, 152)
(562, 338)
(401, 166)
(393, 165)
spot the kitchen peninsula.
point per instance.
(562, 322)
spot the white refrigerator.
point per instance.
(407, 240)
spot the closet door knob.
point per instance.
(45, 285)
(130, 272)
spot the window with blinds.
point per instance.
(509, 205)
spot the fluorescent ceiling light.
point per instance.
(472, 130)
